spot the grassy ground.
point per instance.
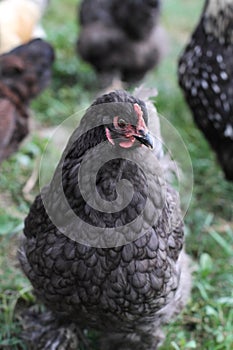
(207, 322)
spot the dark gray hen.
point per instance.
(121, 39)
(24, 73)
(121, 271)
(206, 77)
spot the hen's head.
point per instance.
(129, 130)
(125, 120)
(26, 69)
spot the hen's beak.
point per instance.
(146, 139)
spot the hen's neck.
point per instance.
(218, 20)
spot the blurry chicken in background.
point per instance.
(24, 73)
(19, 22)
(205, 73)
(122, 40)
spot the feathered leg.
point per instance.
(43, 331)
(132, 341)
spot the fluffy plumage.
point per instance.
(121, 40)
(19, 22)
(125, 292)
(24, 73)
(206, 77)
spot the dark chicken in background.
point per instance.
(122, 40)
(206, 78)
(24, 73)
(125, 292)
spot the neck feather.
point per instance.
(218, 20)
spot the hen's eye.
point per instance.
(121, 123)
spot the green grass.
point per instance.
(207, 322)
